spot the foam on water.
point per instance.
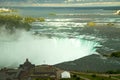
(16, 48)
(42, 50)
(59, 24)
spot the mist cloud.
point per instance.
(15, 48)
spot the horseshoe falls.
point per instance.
(63, 36)
(43, 50)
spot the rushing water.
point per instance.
(62, 37)
(41, 50)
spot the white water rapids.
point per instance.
(42, 50)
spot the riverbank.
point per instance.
(12, 22)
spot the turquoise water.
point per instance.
(85, 14)
(63, 36)
(69, 21)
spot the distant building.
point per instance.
(8, 74)
(24, 70)
(27, 65)
(44, 72)
(65, 74)
(28, 71)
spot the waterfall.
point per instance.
(42, 50)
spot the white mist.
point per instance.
(42, 50)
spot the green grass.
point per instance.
(72, 79)
(94, 76)
(116, 77)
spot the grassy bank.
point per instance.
(12, 22)
(96, 76)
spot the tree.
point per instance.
(115, 54)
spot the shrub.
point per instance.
(110, 24)
(41, 19)
(78, 78)
(29, 19)
(13, 22)
(115, 54)
(74, 76)
(93, 75)
(52, 14)
(91, 24)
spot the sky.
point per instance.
(60, 2)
